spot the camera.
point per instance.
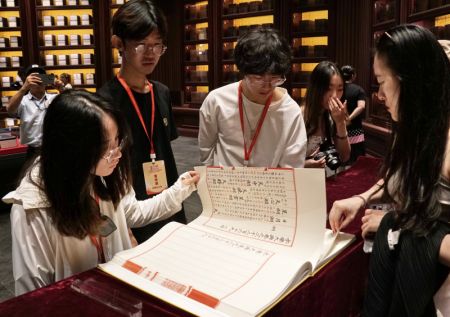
(331, 155)
(47, 79)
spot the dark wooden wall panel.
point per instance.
(168, 69)
(353, 44)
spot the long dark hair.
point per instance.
(414, 163)
(136, 19)
(318, 85)
(74, 141)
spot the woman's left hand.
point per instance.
(338, 110)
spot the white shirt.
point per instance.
(281, 141)
(41, 255)
(31, 112)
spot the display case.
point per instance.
(197, 78)
(309, 34)
(11, 52)
(116, 59)
(237, 17)
(432, 14)
(66, 40)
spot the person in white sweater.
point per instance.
(254, 122)
(75, 205)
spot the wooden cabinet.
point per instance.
(304, 23)
(236, 18)
(115, 58)
(66, 41)
(197, 55)
(310, 41)
(13, 44)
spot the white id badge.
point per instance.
(155, 177)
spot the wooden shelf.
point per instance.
(384, 25)
(8, 29)
(64, 7)
(9, 8)
(305, 8)
(301, 34)
(429, 14)
(66, 47)
(84, 86)
(195, 21)
(69, 67)
(230, 38)
(311, 59)
(66, 27)
(8, 69)
(196, 83)
(298, 85)
(247, 14)
(195, 42)
(9, 89)
(188, 63)
(10, 49)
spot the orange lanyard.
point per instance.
(138, 112)
(248, 152)
(97, 242)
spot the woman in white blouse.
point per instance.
(73, 208)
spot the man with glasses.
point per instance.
(139, 31)
(254, 122)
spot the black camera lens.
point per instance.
(331, 156)
(332, 162)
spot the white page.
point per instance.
(229, 272)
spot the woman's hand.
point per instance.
(338, 110)
(343, 212)
(312, 163)
(192, 180)
(371, 221)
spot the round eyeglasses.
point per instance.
(115, 153)
(157, 49)
(260, 81)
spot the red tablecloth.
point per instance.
(20, 148)
(336, 290)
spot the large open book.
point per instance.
(261, 232)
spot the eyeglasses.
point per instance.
(157, 49)
(260, 80)
(115, 153)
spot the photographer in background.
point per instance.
(29, 104)
(325, 117)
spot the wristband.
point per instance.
(363, 199)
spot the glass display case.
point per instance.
(310, 41)
(196, 61)
(239, 16)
